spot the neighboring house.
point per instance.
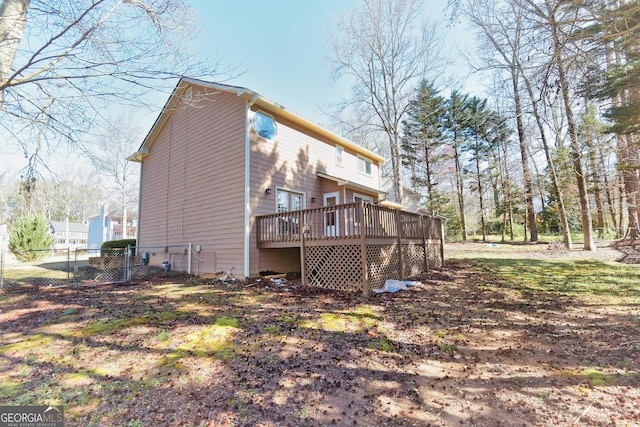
(4, 238)
(72, 235)
(253, 186)
(411, 200)
(106, 227)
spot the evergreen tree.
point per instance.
(32, 234)
(455, 122)
(422, 136)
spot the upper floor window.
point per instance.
(339, 153)
(264, 125)
(364, 165)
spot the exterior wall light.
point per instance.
(313, 200)
(267, 191)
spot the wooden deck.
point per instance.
(355, 245)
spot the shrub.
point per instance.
(31, 238)
(111, 246)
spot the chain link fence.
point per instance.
(29, 270)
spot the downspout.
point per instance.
(247, 188)
(139, 207)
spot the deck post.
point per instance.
(424, 222)
(441, 242)
(399, 240)
(363, 251)
(303, 269)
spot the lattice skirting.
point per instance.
(340, 267)
(334, 267)
(434, 256)
(412, 259)
(383, 262)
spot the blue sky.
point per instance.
(281, 46)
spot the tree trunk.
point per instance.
(627, 151)
(607, 191)
(526, 173)
(13, 15)
(479, 181)
(564, 223)
(597, 192)
(621, 197)
(628, 161)
(395, 164)
(427, 164)
(576, 155)
(460, 191)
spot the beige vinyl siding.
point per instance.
(290, 161)
(193, 181)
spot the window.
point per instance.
(364, 165)
(288, 200)
(264, 125)
(360, 198)
(339, 152)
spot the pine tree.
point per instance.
(31, 238)
(422, 137)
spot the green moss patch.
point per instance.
(108, 326)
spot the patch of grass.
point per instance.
(214, 342)
(385, 345)
(102, 327)
(287, 318)
(226, 321)
(271, 329)
(9, 389)
(70, 312)
(164, 336)
(572, 278)
(594, 377)
(31, 342)
(356, 320)
(447, 347)
(597, 378)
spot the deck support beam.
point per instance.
(363, 253)
(399, 243)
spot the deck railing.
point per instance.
(347, 221)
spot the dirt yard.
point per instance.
(504, 335)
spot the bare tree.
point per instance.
(385, 48)
(502, 30)
(558, 26)
(117, 175)
(64, 62)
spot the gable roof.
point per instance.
(255, 99)
(79, 227)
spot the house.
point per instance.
(71, 235)
(412, 200)
(106, 227)
(247, 184)
(4, 238)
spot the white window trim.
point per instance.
(291, 190)
(341, 161)
(256, 130)
(366, 159)
(363, 197)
